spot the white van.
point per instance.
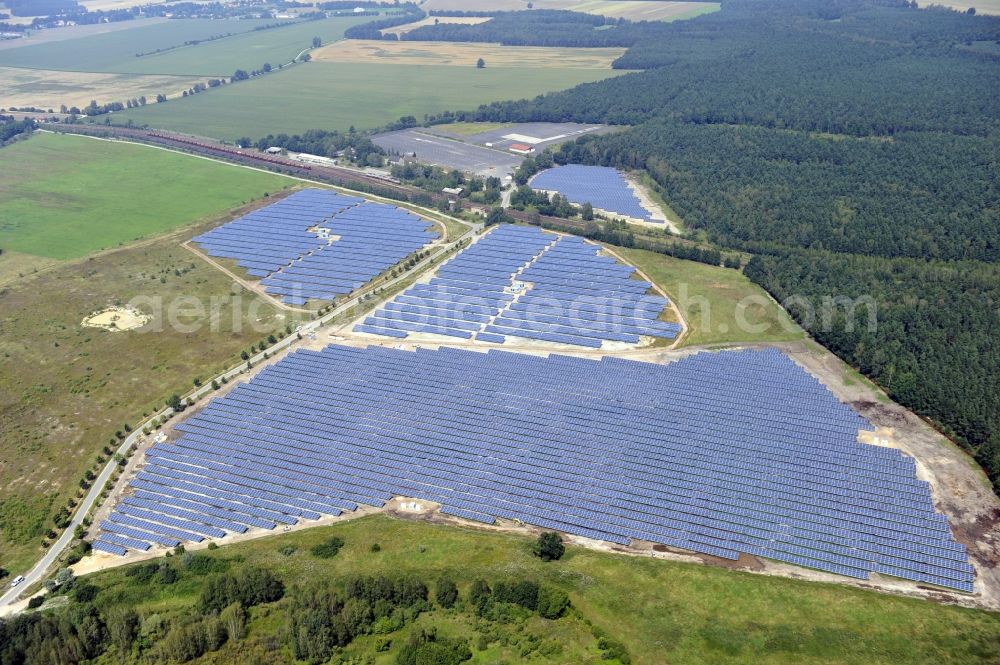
(17, 580)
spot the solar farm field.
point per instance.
(662, 611)
(603, 187)
(317, 245)
(322, 95)
(721, 453)
(525, 283)
(64, 197)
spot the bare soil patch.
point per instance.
(117, 319)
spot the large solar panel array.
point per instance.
(719, 453)
(601, 186)
(524, 282)
(316, 244)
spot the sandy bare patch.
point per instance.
(432, 20)
(465, 54)
(116, 318)
(48, 89)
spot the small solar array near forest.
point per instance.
(601, 186)
(527, 283)
(718, 453)
(316, 244)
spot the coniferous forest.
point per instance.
(851, 145)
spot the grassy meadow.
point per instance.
(65, 389)
(64, 197)
(662, 611)
(720, 305)
(322, 95)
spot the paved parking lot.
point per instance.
(449, 153)
(536, 134)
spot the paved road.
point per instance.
(38, 572)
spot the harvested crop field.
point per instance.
(432, 20)
(466, 54)
(634, 10)
(48, 89)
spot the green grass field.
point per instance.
(65, 389)
(720, 305)
(64, 197)
(115, 51)
(319, 95)
(663, 611)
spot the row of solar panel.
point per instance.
(827, 564)
(603, 187)
(359, 241)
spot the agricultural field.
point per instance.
(49, 89)
(460, 54)
(34, 37)
(115, 52)
(64, 197)
(65, 389)
(981, 6)
(432, 20)
(720, 305)
(327, 95)
(661, 611)
(633, 10)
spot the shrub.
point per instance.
(479, 594)
(249, 587)
(327, 549)
(552, 602)
(447, 593)
(549, 546)
(36, 601)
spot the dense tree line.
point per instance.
(851, 144)
(11, 128)
(543, 27)
(928, 195)
(809, 81)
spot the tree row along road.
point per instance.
(41, 568)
